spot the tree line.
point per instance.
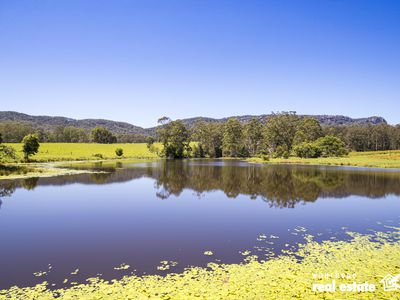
(14, 132)
(283, 135)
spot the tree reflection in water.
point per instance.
(278, 185)
(6, 190)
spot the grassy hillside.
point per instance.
(85, 151)
(379, 159)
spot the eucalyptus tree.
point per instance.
(233, 139)
(174, 137)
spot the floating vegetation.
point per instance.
(364, 258)
(166, 265)
(40, 273)
(43, 273)
(208, 253)
(122, 266)
(75, 272)
(245, 253)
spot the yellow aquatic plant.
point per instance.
(365, 259)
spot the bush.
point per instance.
(281, 151)
(327, 146)
(119, 152)
(307, 150)
(98, 155)
(265, 157)
(331, 146)
(7, 153)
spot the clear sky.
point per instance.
(135, 61)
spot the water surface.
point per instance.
(141, 214)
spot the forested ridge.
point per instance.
(14, 126)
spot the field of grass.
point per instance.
(298, 274)
(378, 159)
(89, 151)
(84, 151)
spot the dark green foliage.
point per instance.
(233, 139)
(131, 138)
(265, 157)
(307, 150)
(308, 130)
(280, 130)
(253, 136)
(119, 152)
(276, 135)
(367, 137)
(331, 146)
(150, 141)
(326, 146)
(6, 153)
(281, 151)
(197, 151)
(102, 135)
(30, 145)
(174, 137)
(69, 134)
(209, 139)
(14, 132)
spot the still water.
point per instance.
(141, 214)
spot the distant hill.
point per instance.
(47, 122)
(323, 119)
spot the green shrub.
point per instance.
(280, 151)
(119, 152)
(7, 153)
(307, 150)
(265, 157)
(285, 154)
(331, 146)
(326, 146)
(98, 155)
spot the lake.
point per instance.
(144, 213)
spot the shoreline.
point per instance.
(53, 169)
(379, 160)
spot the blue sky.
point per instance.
(135, 61)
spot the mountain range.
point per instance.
(49, 122)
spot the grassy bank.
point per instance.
(378, 159)
(45, 162)
(84, 151)
(40, 165)
(363, 259)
